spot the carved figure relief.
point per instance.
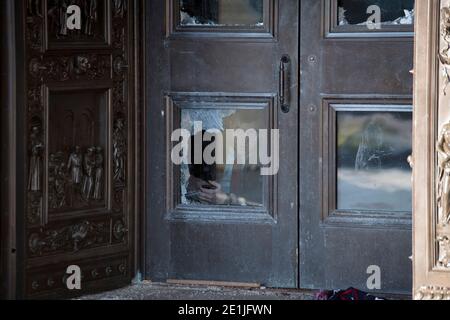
(54, 164)
(444, 55)
(35, 167)
(77, 137)
(120, 8)
(34, 8)
(444, 251)
(64, 68)
(81, 65)
(90, 16)
(443, 197)
(60, 184)
(75, 165)
(119, 146)
(432, 293)
(98, 186)
(34, 24)
(73, 238)
(83, 173)
(90, 24)
(58, 14)
(89, 169)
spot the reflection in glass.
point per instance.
(372, 171)
(221, 12)
(393, 12)
(222, 184)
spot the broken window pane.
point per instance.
(393, 12)
(221, 12)
(224, 182)
(372, 168)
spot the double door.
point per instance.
(338, 91)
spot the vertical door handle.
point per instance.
(285, 84)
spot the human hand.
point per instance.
(212, 193)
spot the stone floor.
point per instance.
(156, 291)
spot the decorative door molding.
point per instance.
(431, 158)
(80, 142)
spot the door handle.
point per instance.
(285, 84)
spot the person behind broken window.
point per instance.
(202, 186)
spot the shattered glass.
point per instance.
(228, 183)
(393, 12)
(222, 13)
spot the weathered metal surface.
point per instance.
(349, 68)
(219, 65)
(78, 133)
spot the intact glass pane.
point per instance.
(221, 12)
(224, 182)
(372, 168)
(393, 12)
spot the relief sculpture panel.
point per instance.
(77, 138)
(443, 196)
(432, 151)
(93, 15)
(442, 220)
(77, 141)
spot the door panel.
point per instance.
(8, 157)
(78, 135)
(356, 124)
(219, 63)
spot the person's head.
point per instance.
(446, 133)
(204, 171)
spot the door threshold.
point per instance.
(147, 290)
(201, 284)
(221, 285)
(205, 283)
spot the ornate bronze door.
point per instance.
(78, 126)
(431, 152)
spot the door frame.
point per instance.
(424, 98)
(431, 279)
(8, 153)
(142, 123)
